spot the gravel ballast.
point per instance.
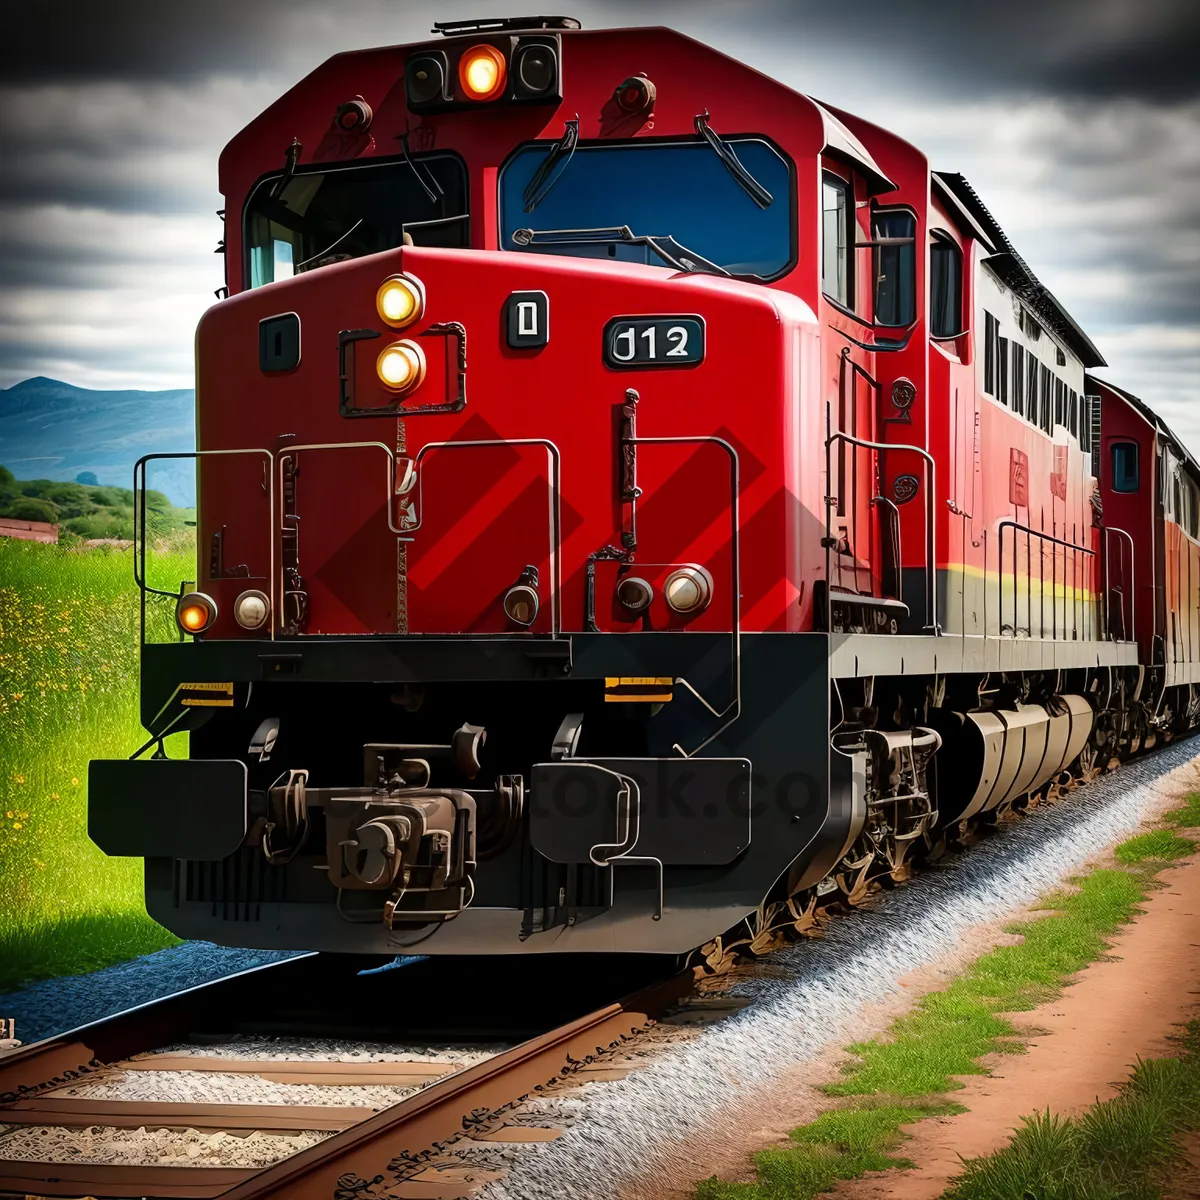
(624, 1124)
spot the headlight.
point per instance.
(688, 589)
(401, 366)
(481, 73)
(251, 609)
(195, 612)
(521, 604)
(400, 300)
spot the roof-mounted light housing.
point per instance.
(514, 69)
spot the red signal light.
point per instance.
(482, 73)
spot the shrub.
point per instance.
(30, 509)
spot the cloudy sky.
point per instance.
(1078, 121)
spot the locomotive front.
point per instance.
(503, 475)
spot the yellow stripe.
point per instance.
(207, 687)
(649, 697)
(639, 681)
(197, 703)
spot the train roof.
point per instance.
(1156, 422)
(1014, 272)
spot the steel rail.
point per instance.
(404, 1133)
(75, 1055)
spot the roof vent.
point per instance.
(503, 25)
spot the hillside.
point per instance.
(52, 430)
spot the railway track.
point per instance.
(77, 1117)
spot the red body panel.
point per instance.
(484, 511)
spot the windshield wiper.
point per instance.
(313, 257)
(434, 191)
(673, 253)
(541, 183)
(724, 151)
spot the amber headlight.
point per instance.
(195, 612)
(401, 366)
(400, 300)
(251, 609)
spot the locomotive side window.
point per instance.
(895, 267)
(679, 193)
(321, 217)
(836, 214)
(991, 335)
(945, 287)
(1047, 410)
(1032, 411)
(1124, 467)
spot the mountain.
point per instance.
(52, 430)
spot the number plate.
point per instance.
(654, 341)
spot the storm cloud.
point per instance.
(1077, 121)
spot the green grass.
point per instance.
(68, 693)
(1120, 1149)
(912, 1072)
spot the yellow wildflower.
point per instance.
(74, 781)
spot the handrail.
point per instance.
(899, 552)
(931, 625)
(735, 705)
(139, 552)
(1130, 630)
(555, 505)
(1029, 531)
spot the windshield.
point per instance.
(680, 189)
(327, 216)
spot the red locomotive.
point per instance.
(634, 499)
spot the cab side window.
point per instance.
(945, 287)
(1124, 467)
(837, 214)
(895, 267)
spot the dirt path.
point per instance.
(1084, 1043)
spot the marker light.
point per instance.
(195, 612)
(521, 604)
(251, 609)
(688, 589)
(401, 366)
(400, 300)
(635, 594)
(481, 73)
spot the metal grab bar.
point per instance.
(735, 704)
(555, 460)
(139, 548)
(899, 552)
(931, 625)
(1130, 630)
(1042, 536)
